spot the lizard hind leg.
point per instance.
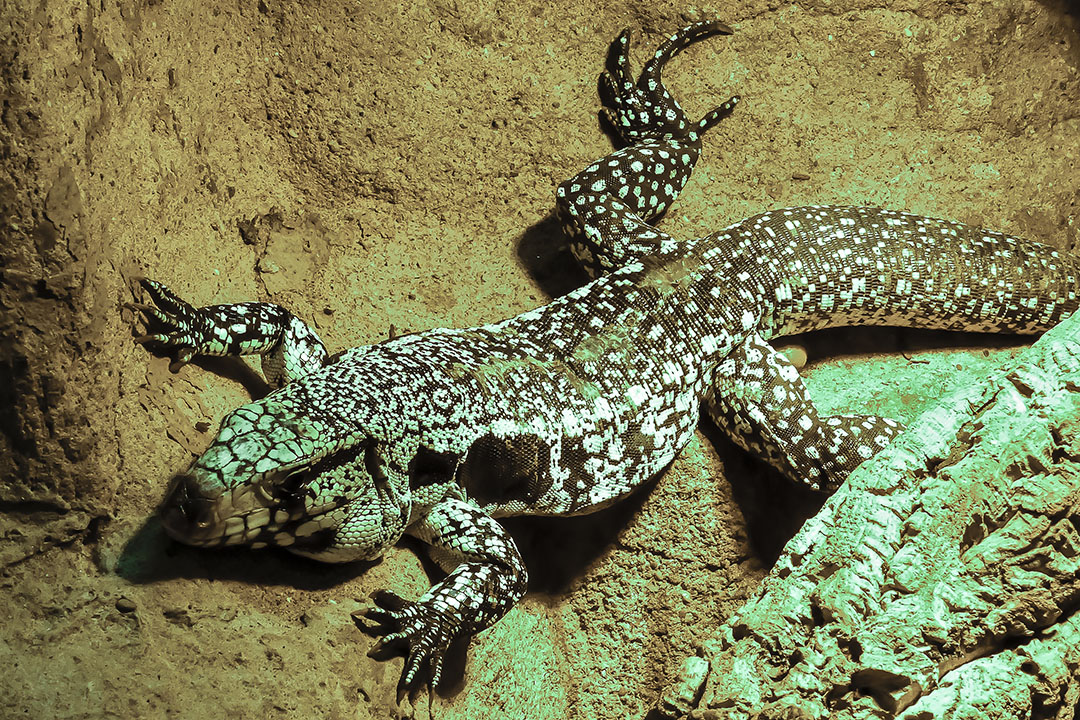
(760, 401)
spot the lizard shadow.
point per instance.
(150, 556)
(544, 251)
(236, 370)
(772, 506)
(558, 550)
(826, 344)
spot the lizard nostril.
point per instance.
(188, 512)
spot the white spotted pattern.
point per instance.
(571, 406)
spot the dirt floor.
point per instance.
(384, 169)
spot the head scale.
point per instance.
(270, 477)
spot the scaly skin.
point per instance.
(569, 407)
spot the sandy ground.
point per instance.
(381, 169)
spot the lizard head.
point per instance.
(268, 478)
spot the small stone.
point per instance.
(682, 695)
(125, 604)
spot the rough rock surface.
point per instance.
(376, 166)
(941, 580)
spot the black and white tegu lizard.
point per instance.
(569, 407)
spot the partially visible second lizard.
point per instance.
(569, 407)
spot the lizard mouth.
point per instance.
(255, 514)
(197, 515)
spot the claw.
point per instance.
(426, 633)
(679, 42)
(183, 357)
(618, 61)
(177, 317)
(646, 109)
(165, 298)
(609, 91)
(389, 601)
(717, 114)
(150, 310)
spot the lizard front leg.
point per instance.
(487, 577)
(607, 208)
(289, 348)
(645, 109)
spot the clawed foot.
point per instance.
(425, 629)
(185, 327)
(646, 109)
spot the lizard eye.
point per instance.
(293, 487)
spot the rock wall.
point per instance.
(942, 579)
